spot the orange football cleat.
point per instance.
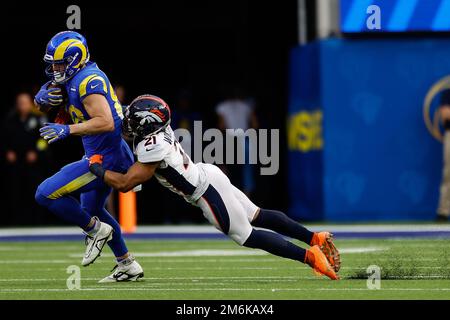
(325, 242)
(316, 259)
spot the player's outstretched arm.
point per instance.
(101, 120)
(138, 173)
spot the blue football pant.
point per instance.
(58, 192)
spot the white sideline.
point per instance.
(206, 229)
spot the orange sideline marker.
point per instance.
(127, 211)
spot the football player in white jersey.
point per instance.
(159, 154)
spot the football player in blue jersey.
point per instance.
(96, 116)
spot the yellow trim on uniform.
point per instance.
(82, 88)
(83, 85)
(117, 104)
(73, 185)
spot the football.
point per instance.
(49, 108)
(59, 113)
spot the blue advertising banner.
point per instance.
(305, 141)
(396, 15)
(377, 161)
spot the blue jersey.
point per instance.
(91, 80)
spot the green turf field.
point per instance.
(217, 269)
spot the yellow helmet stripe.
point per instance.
(83, 52)
(84, 83)
(59, 52)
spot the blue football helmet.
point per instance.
(68, 49)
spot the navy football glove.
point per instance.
(52, 97)
(53, 132)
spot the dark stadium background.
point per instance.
(160, 47)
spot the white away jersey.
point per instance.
(176, 170)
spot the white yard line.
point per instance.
(226, 252)
(74, 261)
(300, 267)
(217, 289)
(36, 261)
(362, 249)
(227, 278)
(191, 253)
(207, 229)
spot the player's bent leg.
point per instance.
(127, 268)
(281, 223)
(224, 209)
(95, 240)
(272, 220)
(93, 202)
(222, 202)
(275, 244)
(55, 193)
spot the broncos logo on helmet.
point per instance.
(69, 52)
(149, 117)
(146, 115)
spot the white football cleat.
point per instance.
(125, 270)
(96, 242)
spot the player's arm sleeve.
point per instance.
(137, 174)
(93, 84)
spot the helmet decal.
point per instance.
(61, 49)
(148, 117)
(145, 116)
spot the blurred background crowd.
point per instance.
(343, 80)
(28, 159)
(218, 63)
